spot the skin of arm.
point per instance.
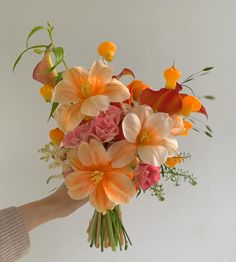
(57, 205)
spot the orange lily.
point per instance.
(85, 92)
(96, 178)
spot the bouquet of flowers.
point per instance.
(112, 140)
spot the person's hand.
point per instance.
(57, 205)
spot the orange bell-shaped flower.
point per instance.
(107, 50)
(171, 75)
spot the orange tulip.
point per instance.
(136, 87)
(96, 178)
(56, 136)
(107, 50)
(187, 126)
(190, 104)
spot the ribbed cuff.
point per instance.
(14, 238)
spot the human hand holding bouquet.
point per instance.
(113, 141)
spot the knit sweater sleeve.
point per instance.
(14, 238)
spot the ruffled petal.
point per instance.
(68, 116)
(121, 153)
(159, 124)
(79, 185)
(117, 91)
(100, 73)
(131, 126)
(74, 159)
(99, 200)
(118, 187)
(153, 155)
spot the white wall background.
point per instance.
(194, 224)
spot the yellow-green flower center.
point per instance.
(86, 89)
(144, 137)
(97, 176)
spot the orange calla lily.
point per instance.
(41, 72)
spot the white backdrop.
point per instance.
(194, 224)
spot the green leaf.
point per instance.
(33, 31)
(210, 97)
(59, 56)
(207, 68)
(38, 51)
(195, 129)
(208, 134)
(209, 128)
(23, 52)
(187, 80)
(54, 107)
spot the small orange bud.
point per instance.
(136, 87)
(56, 136)
(46, 92)
(173, 161)
(171, 75)
(107, 50)
(190, 104)
(187, 126)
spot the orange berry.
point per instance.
(173, 161)
(187, 126)
(107, 50)
(190, 104)
(136, 87)
(171, 75)
(56, 136)
(46, 92)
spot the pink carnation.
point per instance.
(105, 127)
(80, 134)
(147, 175)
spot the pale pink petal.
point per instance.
(117, 91)
(99, 200)
(171, 144)
(68, 116)
(118, 188)
(153, 155)
(121, 153)
(159, 124)
(80, 185)
(100, 73)
(143, 112)
(101, 102)
(131, 127)
(88, 108)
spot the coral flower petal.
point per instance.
(68, 90)
(100, 71)
(99, 199)
(68, 116)
(131, 126)
(117, 91)
(171, 144)
(121, 153)
(93, 154)
(79, 185)
(94, 104)
(153, 155)
(74, 158)
(119, 188)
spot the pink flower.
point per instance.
(147, 175)
(104, 128)
(80, 134)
